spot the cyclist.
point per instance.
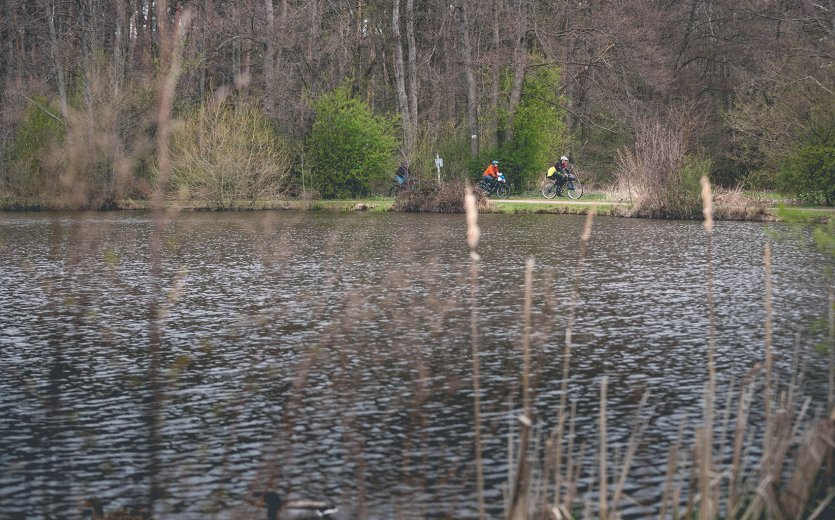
(561, 170)
(402, 175)
(491, 174)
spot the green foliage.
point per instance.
(684, 192)
(349, 146)
(227, 153)
(452, 144)
(775, 122)
(810, 175)
(539, 134)
(824, 237)
(26, 161)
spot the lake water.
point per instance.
(319, 353)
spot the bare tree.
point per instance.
(269, 60)
(402, 99)
(413, 72)
(520, 61)
(469, 74)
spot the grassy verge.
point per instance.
(513, 205)
(366, 204)
(804, 215)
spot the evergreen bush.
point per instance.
(539, 134)
(27, 172)
(810, 175)
(350, 147)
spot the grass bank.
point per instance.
(526, 204)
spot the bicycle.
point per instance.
(498, 186)
(572, 187)
(400, 187)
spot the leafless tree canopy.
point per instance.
(760, 73)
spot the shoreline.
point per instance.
(813, 215)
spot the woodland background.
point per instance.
(326, 97)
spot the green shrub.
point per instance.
(349, 147)
(810, 175)
(28, 173)
(539, 135)
(453, 145)
(227, 153)
(684, 192)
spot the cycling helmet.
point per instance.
(495, 162)
(563, 158)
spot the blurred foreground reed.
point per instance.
(718, 473)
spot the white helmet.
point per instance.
(563, 158)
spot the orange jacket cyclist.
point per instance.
(492, 170)
(491, 174)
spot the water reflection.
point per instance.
(329, 354)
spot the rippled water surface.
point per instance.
(330, 353)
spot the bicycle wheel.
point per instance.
(574, 189)
(549, 190)
(503, 191)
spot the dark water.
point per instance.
(329, 353)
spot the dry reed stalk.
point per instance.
(632, 448)
(537, 487)
(726, 419)
(526, 339)
(677, 498)
(746, 391)
(603, 505)
(759, 501)
(557, 438)
(573, 478)
(473, 234)
(768, 467)
(672, 466)
(822, 507)
(572, 424)
(511, 471)
(556, 441)
(831, 347)
(519, 503)
(554, 454)
(768, 356)
(708, 508)
(171, 50)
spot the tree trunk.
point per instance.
(520, 64)
(87, 43)
(118, 73)
(495, 87)
(568, 71)
(472, 101)
(7, 38)
(59, 66)
(413, 73)
(313, 46)
(402, 99)
(269, 61)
